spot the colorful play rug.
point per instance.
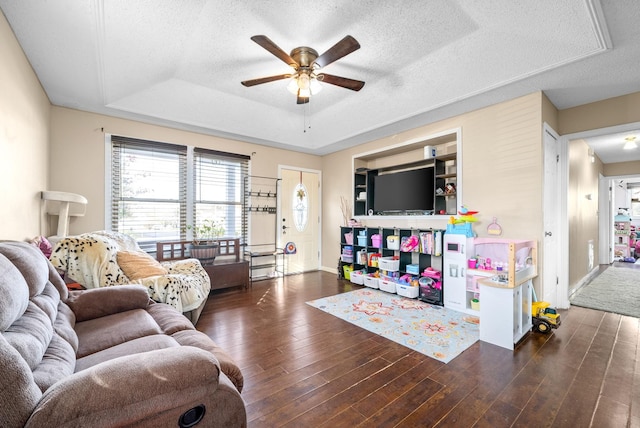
(431, 330)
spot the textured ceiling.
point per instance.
(181, 63)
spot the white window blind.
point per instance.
(218, 182)
(149, 197)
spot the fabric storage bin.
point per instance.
(371, 281)
(388, 263)
(387, 285)
(407, 291)
(357, 277)
(393, 242)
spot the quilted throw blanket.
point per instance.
(91, 260)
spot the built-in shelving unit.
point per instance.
(411, 155)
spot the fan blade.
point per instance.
(354, 85)
(262, 80)
(302, 100)
(266, 43)
(337, 51)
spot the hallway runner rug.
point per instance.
(616, 290)
(429, 329)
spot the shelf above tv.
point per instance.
(408, 156)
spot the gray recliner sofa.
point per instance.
(104, 357)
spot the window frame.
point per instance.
(188, 190)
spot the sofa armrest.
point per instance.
(130, 390)
(99, 302)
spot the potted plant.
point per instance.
(204, 247)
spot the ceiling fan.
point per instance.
(305, 62)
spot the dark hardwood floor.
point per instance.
(305, 368)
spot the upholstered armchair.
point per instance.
(104, 259)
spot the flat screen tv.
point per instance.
(404, 191)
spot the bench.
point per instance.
(227, 270)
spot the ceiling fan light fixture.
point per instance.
(630, 143)
(315, 86)
(305, 83)
(305, 61)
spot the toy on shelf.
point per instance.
(435, 276)
(462, 224)
(409, 243)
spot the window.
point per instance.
(300, 206)
(218, 182)
(158, 190)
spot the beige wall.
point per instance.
(24, 141)
(621, 168)
(502, 172)
(549, 113)
(582, 212)
(602, 114)
(78, 155)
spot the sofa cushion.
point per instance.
(18, 392)
(138, 265)
(101, 333)
(98, 302)
(167, 320)
(135, 346)
(14, 292)
(58, 362)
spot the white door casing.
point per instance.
(551, 190)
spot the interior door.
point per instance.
(300, 219)
(551, 251)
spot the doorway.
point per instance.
(604, 148)
(300, 219)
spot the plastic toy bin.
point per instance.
(393, 242)
(371, 281)
(348, 238)
(388, 263)
(347, 271)
(376, 241)
(357, 277)
(387, 285)
(407, 291)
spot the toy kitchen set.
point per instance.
(490, 278)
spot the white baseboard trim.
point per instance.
(584, 281)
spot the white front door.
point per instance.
(300, 219)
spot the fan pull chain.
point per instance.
(307, 109)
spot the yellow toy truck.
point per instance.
(544, 317)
